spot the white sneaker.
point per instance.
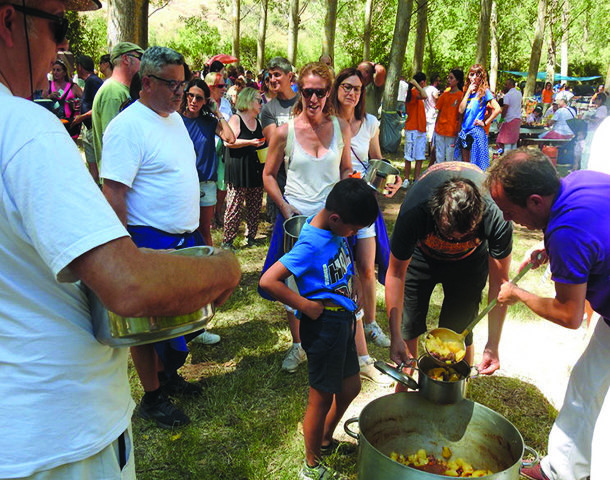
(374, 333)
(295, 356)
(405, 184)
(319, 472)
(206, 338)
(369, 372)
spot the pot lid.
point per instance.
(397, 374)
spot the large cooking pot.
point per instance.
(437, 391)
(406, 422)
(292, 230)
(118, 331)
(379, 173)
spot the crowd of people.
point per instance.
(164, 146)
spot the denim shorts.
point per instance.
(207, 193)
(331, 349)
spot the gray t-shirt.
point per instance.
(277, 111)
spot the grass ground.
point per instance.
(247, 423)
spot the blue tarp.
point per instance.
(542, 76)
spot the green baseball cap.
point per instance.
(124, 47)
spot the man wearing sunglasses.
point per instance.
(150, 179)
(125, 58)
(448, 231)
(65, 405)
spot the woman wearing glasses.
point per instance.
(203, 120)
(349, 103)
(243, 170)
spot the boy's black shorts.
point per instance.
(331, 349)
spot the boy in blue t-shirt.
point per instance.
(322, 264)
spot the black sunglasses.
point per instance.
(309, 92)
(174, 85)
(60, 24)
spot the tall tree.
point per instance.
(330, 26)
(368, 19)
(236, 21)
(607, 86)
(420, 36)
(532, 73)
(397, 53)
(565, 14)
(494, 53)
(128, 22)
(483, 33)
(551, 56)
(293, 31)
(262, 34)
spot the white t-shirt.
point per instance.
(63, 395)
(361, 141)
(403, 87)
(599, 156)
(513, 99)
(430, 103)
(565, 94)
(561, 116)
(154, 156)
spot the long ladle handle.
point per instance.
(492, 304)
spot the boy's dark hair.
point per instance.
(354, 201)
(457, 206)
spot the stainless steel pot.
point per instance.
(292, 229)
(379, 173)
(118, 331)
(406, 422)
(436, 391)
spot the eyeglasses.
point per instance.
(59, 24)
(220, 85)
(135, 55)
(309, 92)
(174, 85)
(191, 96)
(348, 87)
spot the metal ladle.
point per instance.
(446, 335)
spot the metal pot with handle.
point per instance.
(437, 391)
(406, 422)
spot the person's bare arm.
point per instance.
(275, 157)
(272, 282)
(394, 296)
(116, 193)
(379, 75)
(422, 93)
(498, 274)
(494, 113)
(345, 166)
(224, 131)
(464, 103)
(135, 282)
(81, 118)
(566, 309)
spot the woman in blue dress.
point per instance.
(471, 144)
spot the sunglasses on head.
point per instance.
(59, 25)
(309, 92)
(191, 96)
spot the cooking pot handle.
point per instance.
(474, 374)
(348, 431)
(534, 454)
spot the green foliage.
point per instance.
(87, 35)
(197, 40)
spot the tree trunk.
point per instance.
(262, 34)
(397, 53)
(494, 47)
(483, 33)
(236, 24)
(608, 81)
(368, 18)
(551, 57)
(530, 85)
(330, 26)
(128, 22)
(420, 38)
(565, 13)
(293, 31)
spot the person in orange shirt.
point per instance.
(415, 127)
(448, 119)
(547, 96)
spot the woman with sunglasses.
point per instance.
(243, 170)
(316, 147)
(471, 143)
(203, 120)
(65, 93)
(349, 103)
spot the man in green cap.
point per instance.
(125, 58)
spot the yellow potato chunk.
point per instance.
(446, 452)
